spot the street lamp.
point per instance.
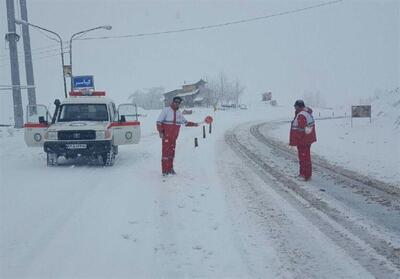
(106, 27)
(18, 21)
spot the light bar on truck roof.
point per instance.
(87, 93)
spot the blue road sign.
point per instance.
(83, 82)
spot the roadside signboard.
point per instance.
(360, 111)
(83, 82)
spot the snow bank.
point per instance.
(386, 108)
(371, 148)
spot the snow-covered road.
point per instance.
(78, 221)
(82, 221)
(358, 218)
(233, 210)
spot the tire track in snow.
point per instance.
(376, 255)
(362, 182)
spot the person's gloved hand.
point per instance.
(293, 148)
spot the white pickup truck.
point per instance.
(82, 125)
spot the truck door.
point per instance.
(37, 118)
(126, 128)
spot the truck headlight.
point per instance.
(103, 134)
(100, 135)
(50, 135)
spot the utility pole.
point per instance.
(12, 38)
(28, 56)
(59, 40)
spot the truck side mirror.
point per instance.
(122, 119)
(57, 103)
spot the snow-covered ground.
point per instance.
(371, 148)
(78, 220)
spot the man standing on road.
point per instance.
(168, 125)
(302, 135)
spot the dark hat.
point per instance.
(299, 103)
(177, 99)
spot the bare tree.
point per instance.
(238, 90)
(222, 90)
(150, 98)
(314, 99)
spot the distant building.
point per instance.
(267, 96)
(191, 94)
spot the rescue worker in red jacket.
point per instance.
(168, 125)
(302, 135)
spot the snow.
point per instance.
(73, 219)
(190, 93)
(372, 148)
(277, 239)
(85, 220)
(198, 99)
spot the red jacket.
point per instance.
(302, 130)
(170, 121)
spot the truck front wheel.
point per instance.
(51, 159)
(108, 158)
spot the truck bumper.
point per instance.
(73, 148)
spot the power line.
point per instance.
(10, 87)
(53, 46)
(33, 54)
(46, 35)
(212, 26)
(36, 58)
(50, 48)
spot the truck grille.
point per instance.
(77, 135)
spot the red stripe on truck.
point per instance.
(88, 93)
(35, 125)
(120, 124)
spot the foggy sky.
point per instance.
(346, 50)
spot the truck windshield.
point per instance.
(83, 112)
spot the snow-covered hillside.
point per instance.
(371, 148)
(386, 109)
